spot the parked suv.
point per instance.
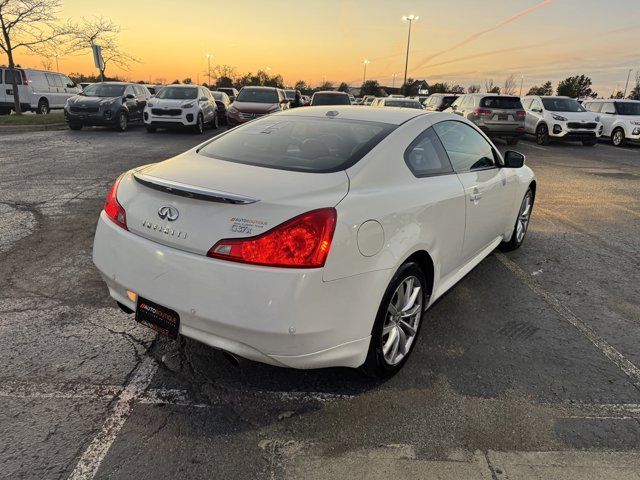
(254, 102)
(560, 118)
(499, 116)
(181, 106)
(222, 103)
(109, 104)
(231, 92)
(620, 119)
(40, 91)
(330, 97)
(401, 102)
(439, 102)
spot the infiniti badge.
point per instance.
(168, 213)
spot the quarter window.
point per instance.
(425, 155)
(467, 149)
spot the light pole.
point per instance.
(627, 84)
(410, 19)
(364, 75)
(521, 82)
(57, 55)
(209, 56)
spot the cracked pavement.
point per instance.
(498, 374)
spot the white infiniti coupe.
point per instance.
(314, 237)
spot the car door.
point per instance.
(608, 117)
(533, 116)
(142, 96)
(489, 189)
(131, 102)
(205, 105)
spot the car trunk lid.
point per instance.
(191, 202)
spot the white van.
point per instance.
(40, 91)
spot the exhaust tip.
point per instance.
(232, 359)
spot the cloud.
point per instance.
(476, 35)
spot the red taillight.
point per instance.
(482, 111)
(302, 242)
(520, 113)
(112, 208)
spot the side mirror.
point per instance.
(513, 159)
(284, 101)
(537, 110)
(453, 107)
(130, 96)
(71, 85)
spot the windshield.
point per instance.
(330, 99)
(562, 105)
(256, 95)
(103, 90)
(291, 94)
(303, 144)
(403, 103)
(178, 93)
(501, 102)
(218, 95)
(628, 108)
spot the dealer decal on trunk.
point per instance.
(246, 225)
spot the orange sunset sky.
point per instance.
(462, 41)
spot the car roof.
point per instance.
(394, 116)
(259, 87)
(332, 91)
(623, 100)
(182, 85)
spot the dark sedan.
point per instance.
(223, 102)
(108, 104)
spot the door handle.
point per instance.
(475, 196)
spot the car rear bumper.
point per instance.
(286, 317)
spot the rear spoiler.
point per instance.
(191, 191)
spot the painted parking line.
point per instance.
(90, 461)
(537, 147)
(622, 362)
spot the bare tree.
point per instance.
(510, 84)
(29, 25)
(47, 63)
(103, 32)
(491, 87)
(473, 89)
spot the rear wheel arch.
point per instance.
(425, 262)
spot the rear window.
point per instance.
(403, 103)
(257, 96)
(447, 101)
(330, 99)
(501, 102)
(304, 144)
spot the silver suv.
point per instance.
(500, 116)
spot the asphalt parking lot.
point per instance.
(534, 351)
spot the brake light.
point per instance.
(482, 111)
(302, 242)
(520, 113)
(112, 207)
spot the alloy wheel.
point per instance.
(541, 136)
(402, 320)
(122, 121)
(523, 218)
(617, 138)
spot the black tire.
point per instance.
(590, 142)
(618, 137)
(75, 126)
(512, 140)
(123, 122)
(215, 123)
(376, 365)
(43, 107)
(151, 129)
(514, 242)
(542, 134)
(198, 128)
